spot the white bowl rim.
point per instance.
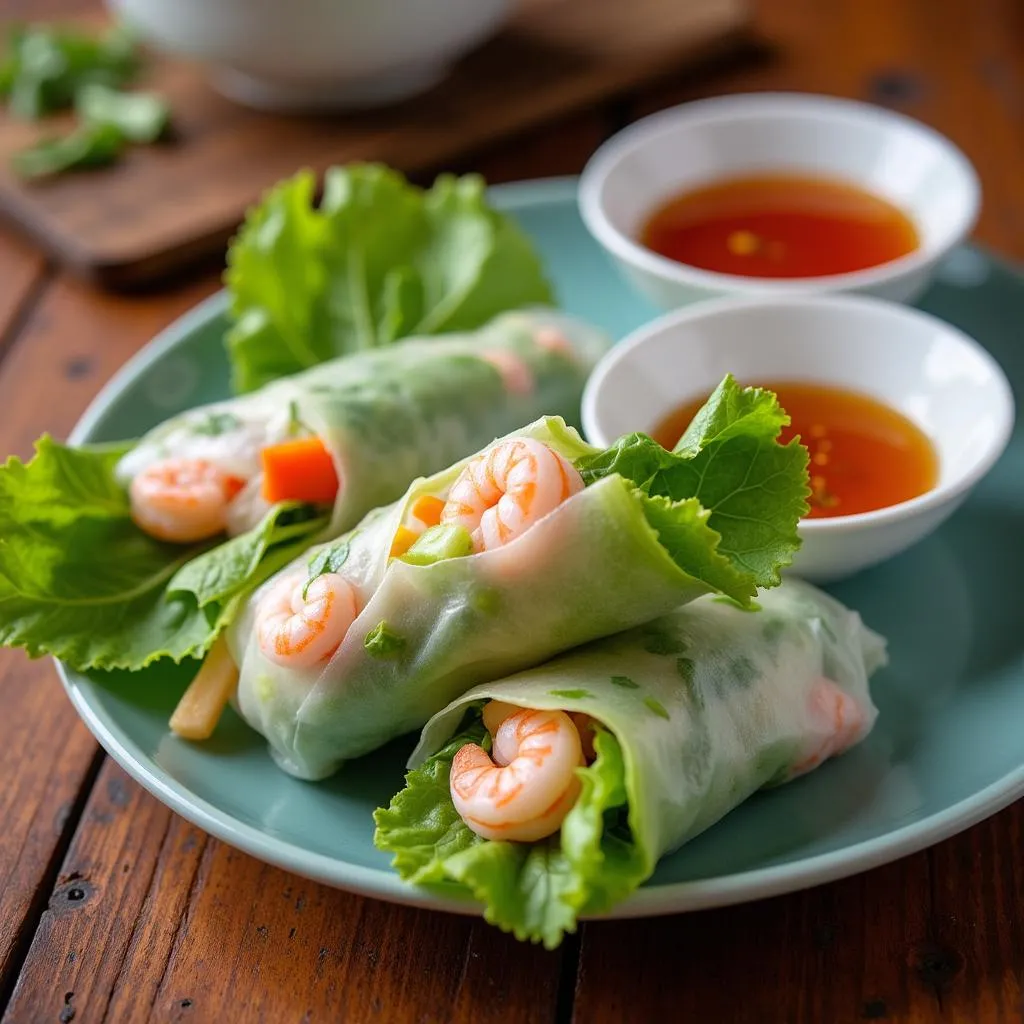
(614, 149)
(840, 305)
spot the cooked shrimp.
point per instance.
(183, 500)
(298, 631)
(839, 717)
(507, 489)
(495, 712)
(553, 340)
(515, 374)
(528, 796)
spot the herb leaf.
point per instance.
(330, 559)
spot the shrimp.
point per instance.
(297, 631)
(515, 374)
(552, 339)
(505, 490)
(838, 717)
(183, 500)
(528, 793)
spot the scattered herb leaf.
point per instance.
(656, 706)
(383, 642)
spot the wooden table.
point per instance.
(114, 909)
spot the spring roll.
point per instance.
(553, 793)
(479, 571)
(117, 555)
(387, 416)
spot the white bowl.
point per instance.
(915, 168)
(307, 54)
(942, 380)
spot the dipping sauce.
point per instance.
(780, 226)
(864, 454)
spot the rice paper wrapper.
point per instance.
(393, 414)
(591, 568)
(709, 703)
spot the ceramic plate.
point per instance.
(948, 749)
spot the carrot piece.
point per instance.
(299, 470)
(404, 539)
(427, 509)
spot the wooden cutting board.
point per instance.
(163, 207)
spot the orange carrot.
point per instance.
(404, 539)
(299, 470)
(427, 509)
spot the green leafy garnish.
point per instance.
(79, 581)
(534, 890)
(330, 559)
(383, 642)
(438, 543)
(378, 260)
(138, 116)
(89, 145)
(216, 423)
(625, 682)
(45, 66)
(48, 69)
(726, 502)
(571, 694)
(656, 706)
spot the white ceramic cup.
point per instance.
(308, 54)
(938, 377)
(892, 156)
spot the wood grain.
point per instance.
(164, 206)
(841, 953)
(151, 920)
(67, 344)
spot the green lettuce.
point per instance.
(376, 261)
(78, 579)
(727, 500)
(534, 890)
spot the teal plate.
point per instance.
(948, 749)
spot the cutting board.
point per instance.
(163, 207)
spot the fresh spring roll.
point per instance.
(113, 556)
(539, 543)
(384, 416)
(553, 793)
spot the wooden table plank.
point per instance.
(841, 953)
(151, 920)
(68, 345)
(977, 961)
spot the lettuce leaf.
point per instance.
(727, 500)
(79, 581)
(377, 261)
(534, 890)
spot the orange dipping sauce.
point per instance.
(864, 455)
(780, 226)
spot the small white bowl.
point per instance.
(915, 168)
(939, 378)
(314, 54)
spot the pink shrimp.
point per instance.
(183, 500)
(515, 374)
(838, 717)
(505, 490)
(552, 339)
(526, 795)
(298, 631)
